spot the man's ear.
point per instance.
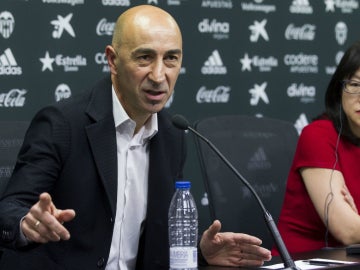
(111, 56)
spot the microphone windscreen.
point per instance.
(180, 122)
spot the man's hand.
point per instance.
(44, 222)
(232, 249)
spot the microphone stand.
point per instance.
(289, 264)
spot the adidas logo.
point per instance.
(301, 6)
(214, 65)
(8, 64)
(301, 122)
(259, 161)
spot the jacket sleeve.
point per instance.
(38, 164)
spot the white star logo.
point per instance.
(258, 29)
(47, 62)
(246, 63)
(258, 92)
(330, 5)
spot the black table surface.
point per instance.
(330, 254)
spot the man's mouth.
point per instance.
(155, 95)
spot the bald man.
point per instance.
(95, 175)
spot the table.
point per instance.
(330, 253)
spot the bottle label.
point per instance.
(183, 257)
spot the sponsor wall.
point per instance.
(255, 57)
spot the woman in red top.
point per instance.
(323, 188)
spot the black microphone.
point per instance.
(180, 122)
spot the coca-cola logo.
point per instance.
(105, 28)
(220, 94)
(14, 98)
(305, 32)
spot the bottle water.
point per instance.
(183, 228)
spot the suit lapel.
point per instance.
(102, 138)
(165, 167)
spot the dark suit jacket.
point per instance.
(70, 152)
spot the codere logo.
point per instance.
(8, 64)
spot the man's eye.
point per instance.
(172, 58)
(144, 57)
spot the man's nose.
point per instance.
(157, 73)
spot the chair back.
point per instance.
(261, 149)
(11, 138)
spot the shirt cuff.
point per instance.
(22, 239)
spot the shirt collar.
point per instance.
(120, 116)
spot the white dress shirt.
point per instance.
(133, 168)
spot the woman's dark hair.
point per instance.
(348, 66)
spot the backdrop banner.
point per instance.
(254, 57)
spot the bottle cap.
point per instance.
(182, 184)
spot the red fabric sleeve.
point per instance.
(316, 146)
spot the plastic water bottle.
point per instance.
(183, 228)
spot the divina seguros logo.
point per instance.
(220, 30)
(306, 93)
